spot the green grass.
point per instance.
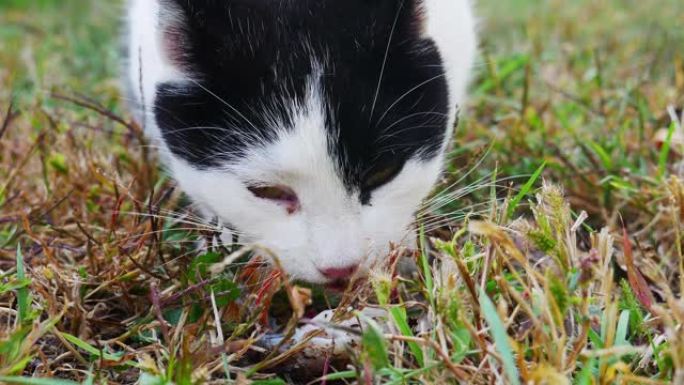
(557, 257)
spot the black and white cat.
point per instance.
(315, 128)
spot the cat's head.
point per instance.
(314, 128)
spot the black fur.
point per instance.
(253, 53)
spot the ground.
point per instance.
(552, 254)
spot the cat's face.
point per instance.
(313, 127)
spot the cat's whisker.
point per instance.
(466, 208)
(407, 93)
(453, 197)
(472, 169)
(394, 147)
(439, 223)
(188, 213)
(453, 216)
(225, 103)
(477, 185)
(162, 231)
(384, 63)
(436, 220)
(444, 199)
(386, 136)
(203, 128)
(175, 219)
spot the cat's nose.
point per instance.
(336, 273)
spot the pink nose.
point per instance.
(339, 272)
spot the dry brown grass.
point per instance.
(101, 280)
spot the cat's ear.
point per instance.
(451, 25)
(173, 31)
(218, 31)
(419, 21)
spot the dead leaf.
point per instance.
(636, 280)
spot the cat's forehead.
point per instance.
(380, 86)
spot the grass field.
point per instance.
(554, 254)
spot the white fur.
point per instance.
(451, 24)
(332, 229)
(147, 64)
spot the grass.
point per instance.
(566, 273)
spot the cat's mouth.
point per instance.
(338, 285)
(344, 285)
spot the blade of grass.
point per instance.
(585, 376)
(95, 351)
(622, 329)
(409, 374)
(375, 348)
(605, 157)
(344, 375)
(400, 319)
(90, 380)
(665, 151)
(425, 264)
(34, 381)
(498, 332)
(492, 193)
(513, 204)
(374, 343)
(22, 292)
(276, 381)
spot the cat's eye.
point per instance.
(379, 175)
(278, 194)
